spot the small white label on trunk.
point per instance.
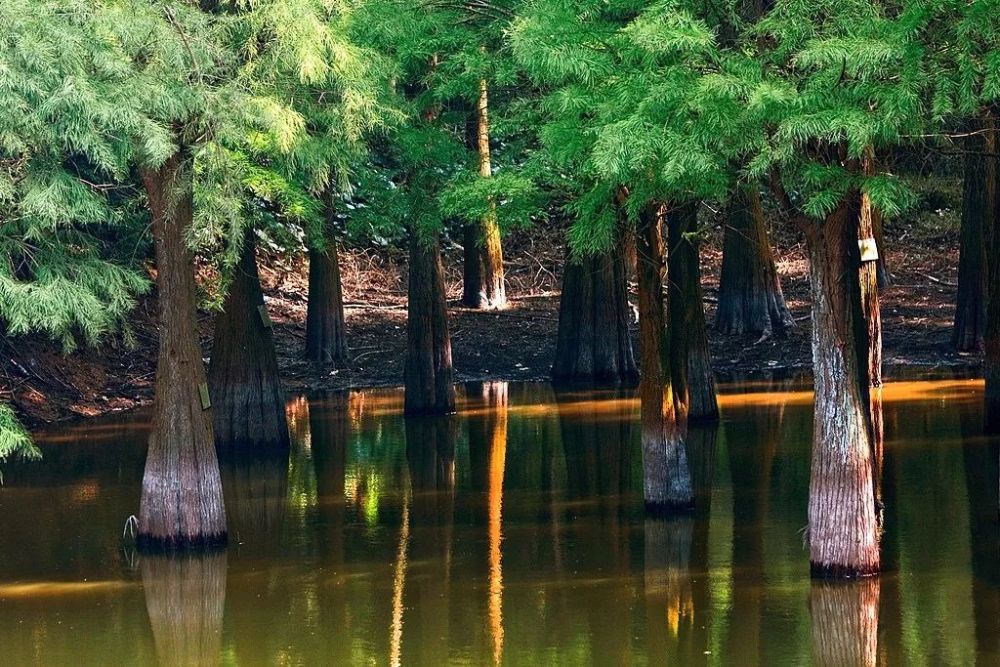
(869, 250)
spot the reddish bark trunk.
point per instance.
(593, 344)
(688, 335)
(750, 296)
(243, 379)
(182, 504)
(843, 528)
(326, 331)
(428, 370)
(666, 477)
(871, 332)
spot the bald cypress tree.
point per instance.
(750, 296)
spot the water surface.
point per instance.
(513, 533)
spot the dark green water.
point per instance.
(512, 532)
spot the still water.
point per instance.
(512, 533)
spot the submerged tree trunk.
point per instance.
(689, 338)
(843, 528)
(750, 296)
(666, 477)
(326, 331)
(182, 504)
(977, 216)
(593, 344)
(243, 379)
(484, 274)
(428, 369)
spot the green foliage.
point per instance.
(14, 440)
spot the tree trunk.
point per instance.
(750, 296)
(326, 331)
(472, 267)
(970, 310)
(243, 379)
(666, 477)
(593, 344)
(182, 504)
(689, 338)
(884, 277)
(484, 284)
(843, 531)
(868, 281)
(991, 337)
(428, 370)
(845, 623)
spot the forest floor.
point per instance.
(515, 344)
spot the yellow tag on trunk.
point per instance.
(869, 250)
(206, 401)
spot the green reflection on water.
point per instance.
(512, 533)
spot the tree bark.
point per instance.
(750, 296)
(689, 337)
(868, 280)
(593, 344)
(484, 283)
(991, 337)
(843, 530)
(243, 378)
(666, 477)
(845, 623)
(326, 331)
(182, 504)
(977, 217)
(428, 369)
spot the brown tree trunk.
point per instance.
(243, 379)
(750, 296)
(428, 369)
(593, 344)
(845, 623)
(666, 477)
(326, 331)
(185, 599)
(843, 528)
(977, 217)
(868, 280)
(484, 284)
(991, 337)
(472, 267)
(688, 335)
(182, 504)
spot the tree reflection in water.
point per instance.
(185, 598)
(845, 623)
(675, 566)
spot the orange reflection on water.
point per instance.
(59, 588)
(497, 463)
(398, 580)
